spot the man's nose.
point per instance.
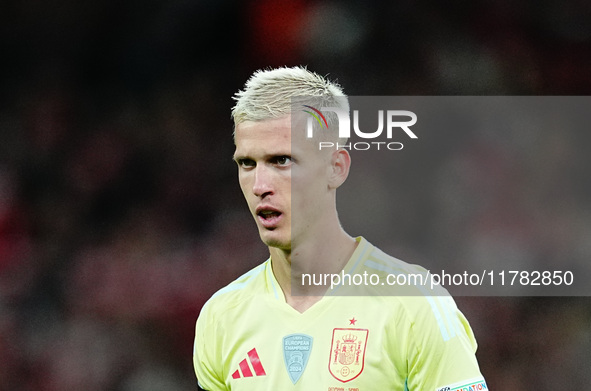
(262, 181)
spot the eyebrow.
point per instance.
(236, 158)
(268, 156)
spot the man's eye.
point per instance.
(246, 163)
(283, 160)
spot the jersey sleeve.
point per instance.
(442, 348)
(207, 364)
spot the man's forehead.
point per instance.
(278, 127)
(296, 125)
(262, 136)
(272, 134)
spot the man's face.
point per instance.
(268, 166)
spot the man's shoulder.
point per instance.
(408, 284)
(427, 306)
(242, 288)
(382, 261)
(396, 277)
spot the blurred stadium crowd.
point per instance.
(120, 212)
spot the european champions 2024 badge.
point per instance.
(296, 352)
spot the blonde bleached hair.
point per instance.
(271, 93)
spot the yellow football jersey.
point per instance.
(249, 338)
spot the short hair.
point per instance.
(268, 94)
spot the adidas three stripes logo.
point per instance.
(256, 364)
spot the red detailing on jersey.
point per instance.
(245, 369)
(256, 363)
(347, 353)
(352, 321)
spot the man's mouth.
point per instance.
(269, 218)
(268, 214)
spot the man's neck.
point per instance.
(325, 255)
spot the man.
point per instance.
(264, 331)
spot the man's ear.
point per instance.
(340, 165)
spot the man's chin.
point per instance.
(276, 242)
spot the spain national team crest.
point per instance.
(347, 353)
(296, 352)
